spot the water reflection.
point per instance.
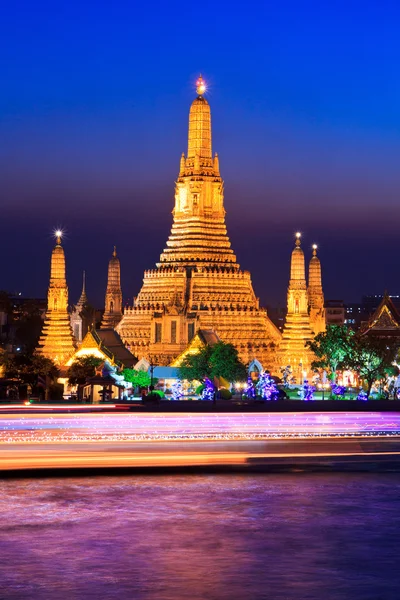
(216, 537)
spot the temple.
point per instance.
(297, 330)
(113, 301)
(198, 284)
(56, 341)
(316, 295)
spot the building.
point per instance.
(106, 345)
(57, 341)
(297, 330)
(198, 283)
(113, 301)
(335, 312)
(316, 294)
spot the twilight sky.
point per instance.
(305, 100)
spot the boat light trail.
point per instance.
(136, 427)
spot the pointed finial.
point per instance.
(298, 236)
(314, 248)
(84, 282)
(200, 86)
(115, 251)
(58, 235)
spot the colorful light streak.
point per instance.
(138, 427)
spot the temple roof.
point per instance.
(203, 337)
(385, 320)
(108, 344)
(111, 341)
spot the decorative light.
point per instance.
(201, 87)
(314, 246)
(58, 233)
(298, 235)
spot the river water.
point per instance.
(297, 536)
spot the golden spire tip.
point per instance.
(58, 235)
(201, 87)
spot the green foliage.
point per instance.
(83, 368)
(28, 367)
(196, 366)
(340, 348)
(224, 394)
(138, 378)
(331, 348)
(224, 362)
(220, 360)
(200, 389)
(160, 393)
(371, 358)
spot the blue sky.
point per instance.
(305, 101)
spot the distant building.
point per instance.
(335, 312)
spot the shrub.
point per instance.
(200, 389)
(224, 394)
(159, 392)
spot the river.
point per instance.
(297, 536)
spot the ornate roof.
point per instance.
(385, 320)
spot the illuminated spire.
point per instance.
(58, 233)
(83, 299)
(297, 267)
(200, 125)
(316, 294)
(113, 301)
(297, 330)
(56, 341)
(201, 87)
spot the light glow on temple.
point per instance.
(201, 87)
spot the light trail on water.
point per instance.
(137, 427)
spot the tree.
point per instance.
(29, 326)
(137, 378)
(82, 368)
(28, 368)
(332, 348)
(220, 360)
(371, 358)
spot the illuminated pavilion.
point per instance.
(198, 283)
(57, 341)
(297, 330)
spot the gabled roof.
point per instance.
(111, 341)
(385, 320)
(108, 343)
(203, 337)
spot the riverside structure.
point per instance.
(198, 283)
